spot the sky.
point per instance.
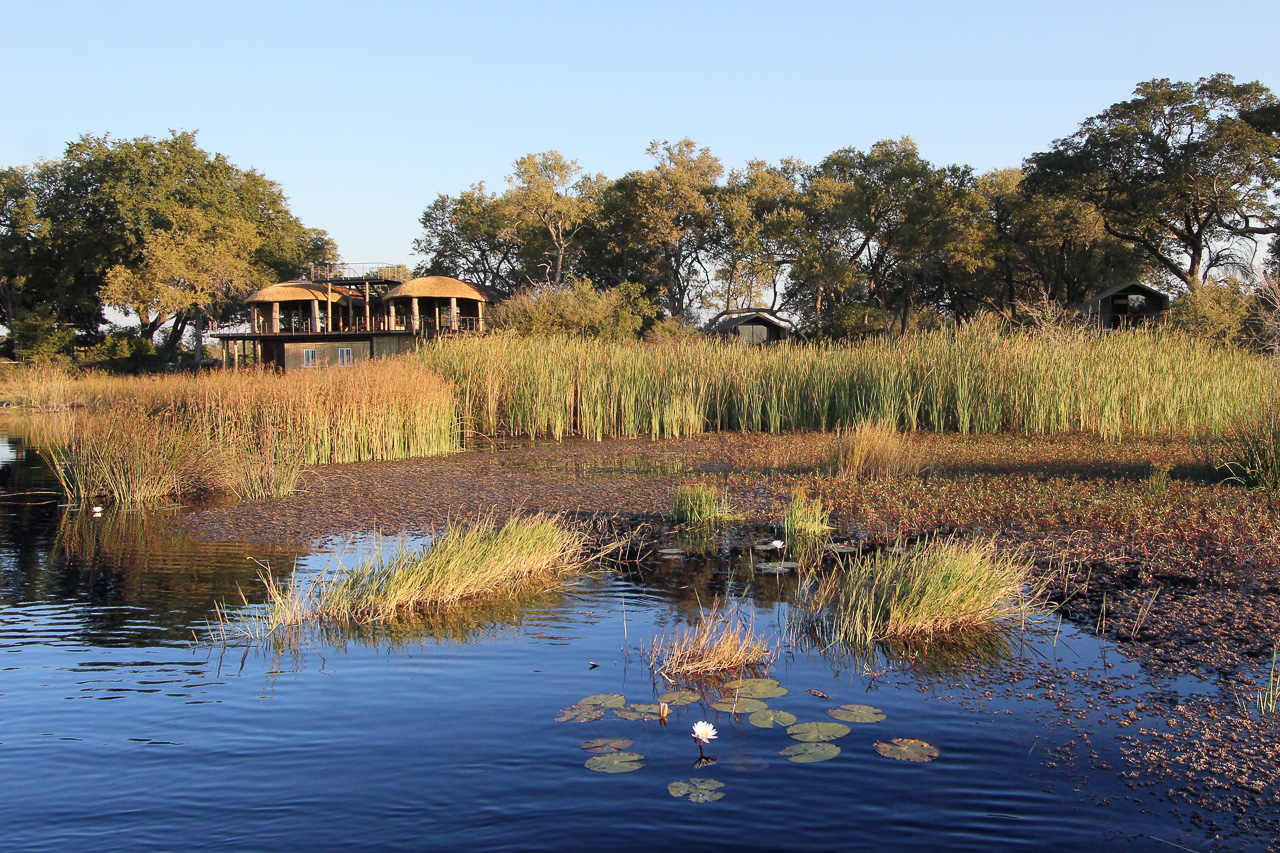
(364, 113)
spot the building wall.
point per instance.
(326, 353)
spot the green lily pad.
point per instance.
(697, 790)
(607, 745)
(757, 688)
(680, 697)
(605, 700)
(810, 753)
(739, 705)
(769, 717)
(815, 732)
(643, 712)
(907, 749)
(777, 568)
(580, 714)
(615, 762)
(857, 714)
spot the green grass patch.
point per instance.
(697, 504)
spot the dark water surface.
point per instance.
(122, 727)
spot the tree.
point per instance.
(471, 237)
(657, 226)
(551, 202)
(1179, 171)
(108, 204)
(756, 219)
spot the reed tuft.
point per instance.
(696, 504)
(870, 451)
(717, 644)
(942, 587)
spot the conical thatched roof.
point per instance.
(441, 286)
(296, 291)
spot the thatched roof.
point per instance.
(297, 291)
(441, 286)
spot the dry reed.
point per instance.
(717, 644)
(870, 451)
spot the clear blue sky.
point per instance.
(363, 113)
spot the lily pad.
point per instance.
(740, 705)
(641, 711)
(605, 700)
(580, 714)
(607, 745)
(777, 568)
(615, 762)
(769, 717)
(810, 753)
(757, 688)
(680, 697)
(815, 732)
(907, 749)
(857, 714)
(697, 790)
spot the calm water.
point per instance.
(123, 727)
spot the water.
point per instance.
(123, 727)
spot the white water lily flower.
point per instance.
(704, 732)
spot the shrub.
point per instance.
(577, 310)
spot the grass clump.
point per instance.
(1268, 698)
(466, 563)
(870, 451)
(942, 587)
(1157, 480)
(806, 526)
(1252, 451)
(696, 504)
(715, 645)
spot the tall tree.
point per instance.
(756, 219)
(471, 237)
(551, 202)
(1178, 171)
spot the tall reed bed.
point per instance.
(978, 379)
(138, 440)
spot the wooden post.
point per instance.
(368, 312)
(436, 303)
(315, 316)
(480, 314)
(417, 316)
(453, 313)
(275, 318)
(328, 306)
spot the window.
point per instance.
(344, 355)
(308, 358)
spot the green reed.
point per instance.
(978, 379)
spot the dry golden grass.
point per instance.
(871, 451)
(716, 644)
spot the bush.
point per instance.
(1217, 311)
(40, 340)
(577, 310)
(671, 330)
(124, 351)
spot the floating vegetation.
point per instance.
(810, 753)
(607, 745)
(580, 714)
(465, 564)
(680, 697)
(615, 762)
(778, 568)
(907, 749)
(770, 717)
(817, 732)
(716, 644)
(605, 700)
(640, 712)
(858, 714)
(737, 705)
(697, 790)
(697, 505)
(903, 593)
(757, 688)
